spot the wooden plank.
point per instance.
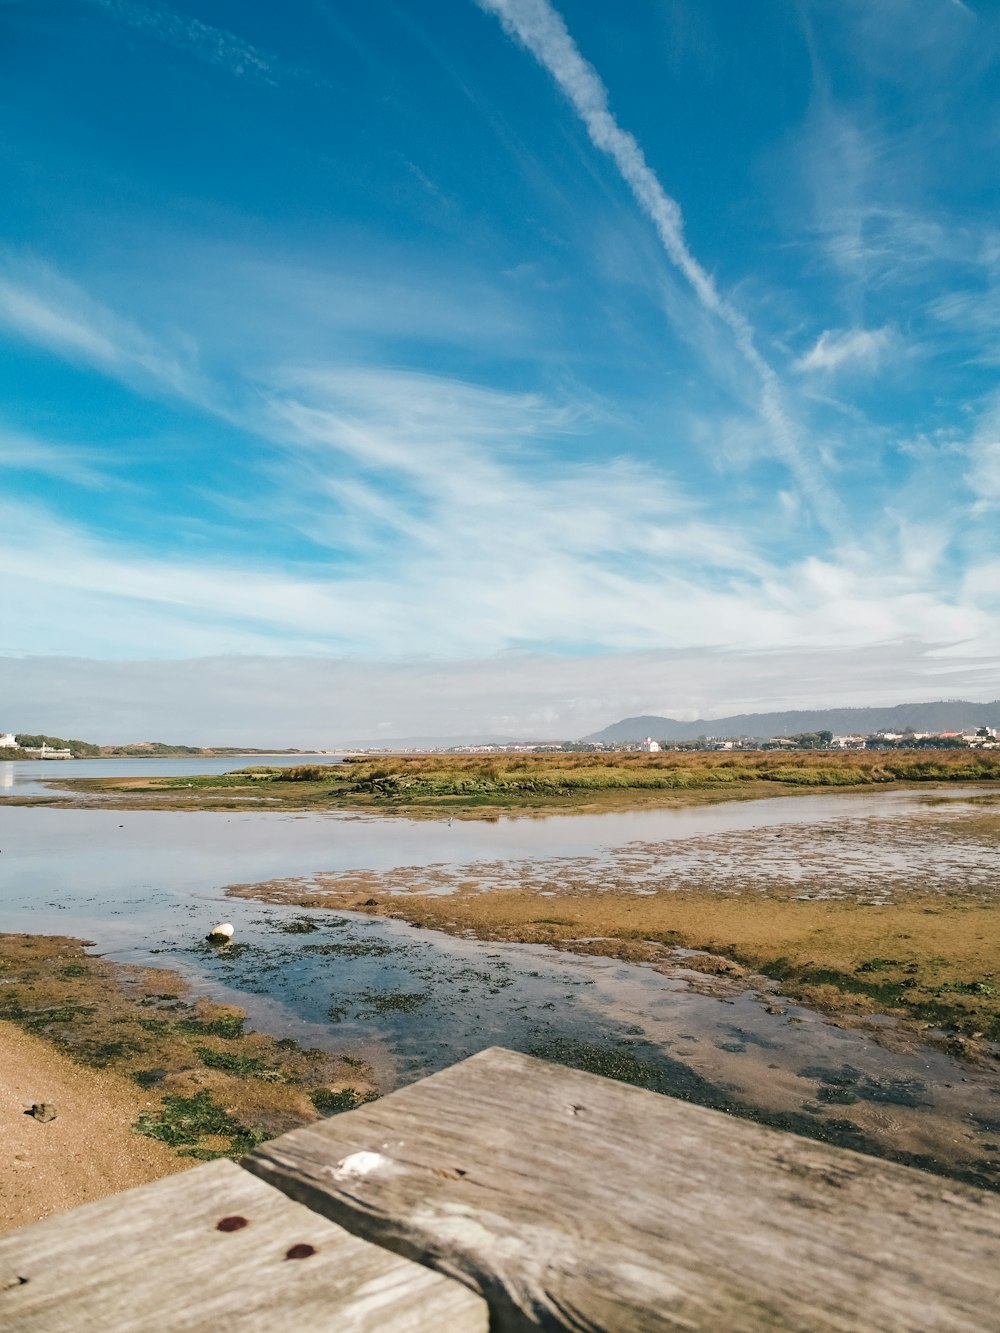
(156, 1258)
(572, 1202)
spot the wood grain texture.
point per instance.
(572, 1202)
(154, 1258)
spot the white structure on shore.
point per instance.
(44, 751)
(8, 741)
(649, 745)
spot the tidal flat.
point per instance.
(820, 962)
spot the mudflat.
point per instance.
(858, 916)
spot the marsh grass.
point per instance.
(561, 773)
(474, 783)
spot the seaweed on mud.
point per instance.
(148, 1078)
(664, 1075)
(72, 970)
(62, 1013)
(101, 1053)
(242, 1066)
(330, 1102)
(847, 1085)
(355, 949)
(888, 994)
(184, 1122)
(391, 1002)
(229, 1026)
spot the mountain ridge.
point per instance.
(941, 715)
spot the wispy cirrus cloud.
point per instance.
(78, 466)
(983, 452)
(445, 538)
(42, 307)
(463, 471)
(855, 349)
(212, 45)
(539, 28)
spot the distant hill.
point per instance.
(945, 715)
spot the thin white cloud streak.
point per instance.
(212, 45)
(44, 308)
(79, 467)
(983, 452)
(856, 348)
(539, 28)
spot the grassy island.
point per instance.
(455, 784)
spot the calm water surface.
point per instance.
(28, 777)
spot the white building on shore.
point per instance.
(8, 741)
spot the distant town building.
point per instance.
(649, 745)
(8, 741)
(45, 751)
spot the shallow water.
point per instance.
(146, 886)
(30, 777)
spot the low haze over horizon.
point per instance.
(377, 369)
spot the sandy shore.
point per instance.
(89, 1150)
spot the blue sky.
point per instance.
(556, 362)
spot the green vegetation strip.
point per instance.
(456, 782)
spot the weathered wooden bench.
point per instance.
(565, 1200)
(215, 1249)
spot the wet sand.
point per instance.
(88, 1151)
